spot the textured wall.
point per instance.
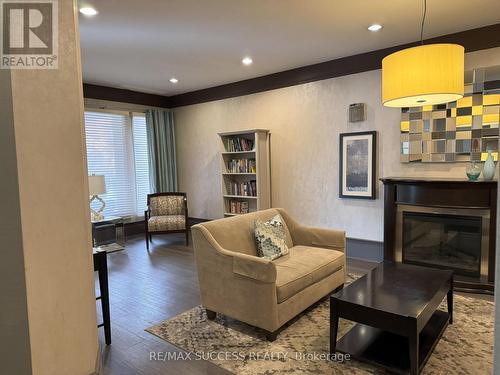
(305, 122)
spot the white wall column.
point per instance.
(48, 308)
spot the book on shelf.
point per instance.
(241, 166)
(238, 207)
(238, 144)
(244, 207)
(245, 189)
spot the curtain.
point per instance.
(161, 148)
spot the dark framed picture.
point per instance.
(358, 165)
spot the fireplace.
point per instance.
(443, 223)
(445, 238)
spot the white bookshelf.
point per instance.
(259, 153)
(236, 152)
(238, 174)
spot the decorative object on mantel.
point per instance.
(489, 167)
(97, 186)
(460, 131)
(473, 171)
(358, 161)
(424, 75)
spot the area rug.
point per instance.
(301, 348)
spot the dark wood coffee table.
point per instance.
(395, 306)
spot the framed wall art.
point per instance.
(358, 161)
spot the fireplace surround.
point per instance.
(443, 223)
(448, 238)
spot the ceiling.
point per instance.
(140, 45)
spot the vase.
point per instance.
(489, 168)
(473, 171)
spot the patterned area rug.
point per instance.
(465, 348)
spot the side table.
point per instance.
(108, 234)
(101, 266)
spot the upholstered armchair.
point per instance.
(264, 293)
(166, 213)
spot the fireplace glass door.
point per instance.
(443, 241)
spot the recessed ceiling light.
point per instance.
(88, 11)
(247, 60)
(173, 80)
(374, 27)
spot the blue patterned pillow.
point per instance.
(270, 238)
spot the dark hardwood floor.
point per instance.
(147, 288)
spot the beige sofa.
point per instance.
(235, 282)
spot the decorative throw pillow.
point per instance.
(270, 238)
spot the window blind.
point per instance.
(107, 136)
(141, 161)
(117, 148)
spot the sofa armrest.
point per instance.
(235, 284)
(320, 237)
(250, 266)
(254, 267)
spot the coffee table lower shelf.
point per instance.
(388, 350)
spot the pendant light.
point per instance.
(423, 75)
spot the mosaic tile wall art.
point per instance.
(460, 131)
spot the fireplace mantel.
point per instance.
(439, 192)
(433, 180)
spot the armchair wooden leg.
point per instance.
(187, 237)
(271, 336)
(211, 315)
(147, 240)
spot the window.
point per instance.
(117, 148)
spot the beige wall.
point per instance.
(47, 108)
(15, 354)
(305, 122)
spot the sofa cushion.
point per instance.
(164, 223)
(303, 267)
(270, 238)
(237, 233)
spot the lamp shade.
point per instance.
(424, 75)
(97, 185)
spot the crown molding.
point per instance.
(114, 94)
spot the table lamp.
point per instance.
(97, 186)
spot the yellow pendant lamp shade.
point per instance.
(424, 75)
